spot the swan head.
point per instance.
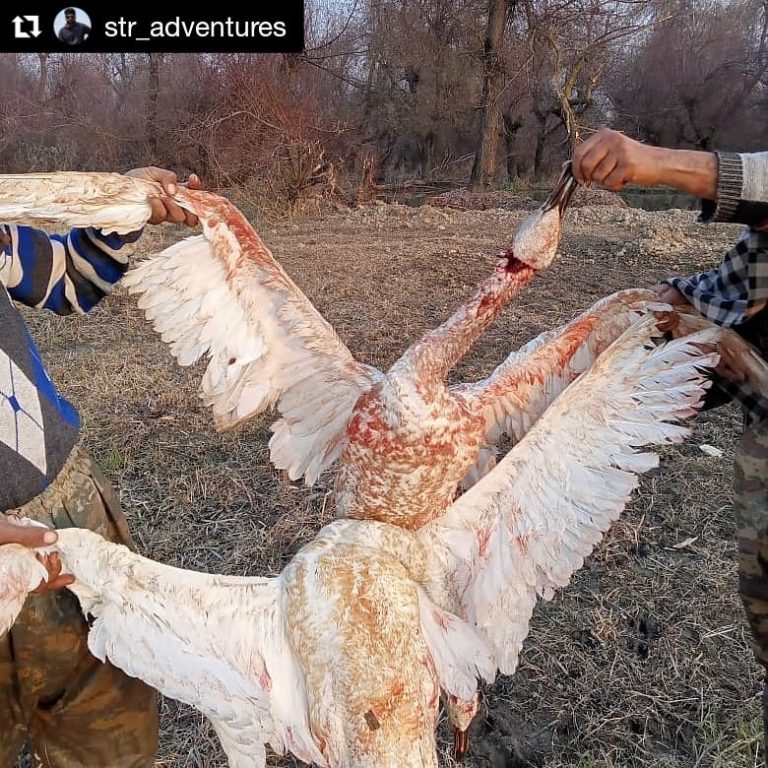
(537, 237)
(460, 715)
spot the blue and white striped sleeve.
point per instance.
(63, 273)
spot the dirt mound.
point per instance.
(464, 200)
(587, 196)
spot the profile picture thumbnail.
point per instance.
(72, 26)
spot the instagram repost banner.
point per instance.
(173, 27)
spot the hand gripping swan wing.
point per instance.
(224, 295)
(216, 643)
(109, 201)
(20, 573)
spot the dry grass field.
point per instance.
(643, 661)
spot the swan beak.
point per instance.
(561, 195)
(460, 744)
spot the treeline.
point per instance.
(483, 92)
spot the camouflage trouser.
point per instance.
(750, 507)
(73, 710)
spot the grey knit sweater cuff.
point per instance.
(730, 183)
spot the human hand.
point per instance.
(668, 294)
(731, 365)
(36, 537)
(32, 536)
(612, 159)
(56, 579)
(164, 208)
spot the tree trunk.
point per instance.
(511, 127)
(484, 167)
(42, 82)
(155, 61)
(538, 155)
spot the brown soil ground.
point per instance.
(644, 660)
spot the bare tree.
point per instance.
(484, 168)
(696, 79)
(420, 83)
(582, 36)
(388, 91)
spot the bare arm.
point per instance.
(612, 159)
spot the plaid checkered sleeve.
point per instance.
(725, 295)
